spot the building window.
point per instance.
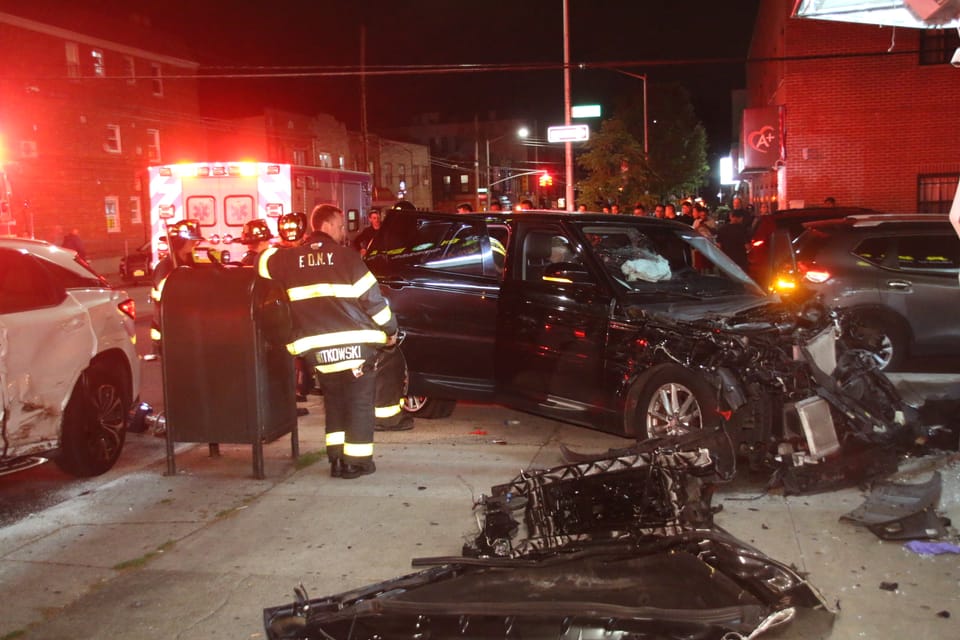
(153, 145)
(111, 209)
(112, 142)
(135, 217)
(447, 185)
(73, 60)
(299, 156)
(156, 80)
(342, 162)
(937, 45)
(415, 182)
(28, 149)
(324, 159)
(464, 183)
(387, 174)
(935, 192)
(130, 69)
(99, 69)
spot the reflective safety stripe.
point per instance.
(357, 450)
(154, 334)
(336, 367)
(262, 262)
(336, 438)
(359, 336)
(328, 290)
(383, 317)
(388, 412)
(157, 292)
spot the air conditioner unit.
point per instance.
(934, 11)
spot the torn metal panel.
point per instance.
(895, 511)
(620, 547)
(37, 380)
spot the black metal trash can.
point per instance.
(227, 376)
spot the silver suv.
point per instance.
(895, 277)
(69, 371)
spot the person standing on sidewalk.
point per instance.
(340, 321)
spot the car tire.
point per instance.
(424, 407)
(94, 423)
(882, 335)
(670, 401)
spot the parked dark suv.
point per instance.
(896, 275)
(784, 227)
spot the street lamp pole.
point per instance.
(522, 132)
(568, 147)
(641, 76)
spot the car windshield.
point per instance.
(665, 260)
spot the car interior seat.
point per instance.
(537, 248)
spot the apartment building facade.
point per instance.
(861, 113)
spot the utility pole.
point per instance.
(363, 98)
(568, 146)
(476, 161)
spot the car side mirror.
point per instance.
(567, 273)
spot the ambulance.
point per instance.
(222, 196)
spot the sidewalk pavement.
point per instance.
(200, 554)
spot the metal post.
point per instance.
(568, 147)
(489, 174)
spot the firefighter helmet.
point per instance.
(179, 232)
(255, 231)
(291, 226)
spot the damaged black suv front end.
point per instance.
(790, 395)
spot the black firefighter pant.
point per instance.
(348, 405)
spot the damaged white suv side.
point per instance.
(69, 370)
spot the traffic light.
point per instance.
(546, 180)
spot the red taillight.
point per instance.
(758, 243)
(810, 274)
(129, 307)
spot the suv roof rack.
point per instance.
(884, 218)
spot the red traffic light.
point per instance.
(546, 180)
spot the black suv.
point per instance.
(896, 275)
(632, 325)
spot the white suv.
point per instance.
(69, 371)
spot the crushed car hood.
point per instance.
(616, 547)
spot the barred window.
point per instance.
(937, 45)
(935, 192)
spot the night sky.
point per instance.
(702, 43)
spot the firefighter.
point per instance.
(291, 227)
(182, 238)
(341, 322)
(256, 235)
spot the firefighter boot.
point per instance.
(357, 468)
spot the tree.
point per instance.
(677, 161)
(614, 164)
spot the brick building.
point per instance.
(85, 104)
(864, 112)
(88, 101)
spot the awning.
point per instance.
(920, 14)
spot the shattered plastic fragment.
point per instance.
(931, 548)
